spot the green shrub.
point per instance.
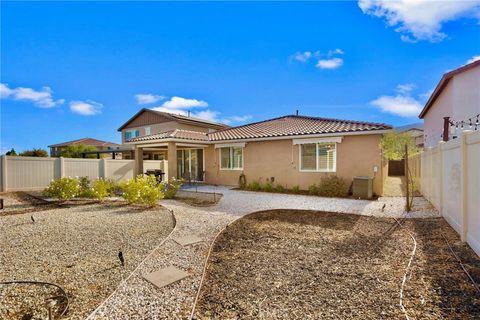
(63, 188)
(85, 188)
(171, 187)
(296, 189)
(267, 187)
(333, 186)
(280, 188)
(143, 190)
(313, 189)
(101, 188)
(254, 186)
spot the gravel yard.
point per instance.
(76, 248)
(294, 264)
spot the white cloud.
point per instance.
(332, 63)
(146, 98)
(405, 88)
(334, 52)
(473, 59)
(182, 106)
(183, 103)
(42, 98)
(302, 56)
(402, 104)
(420, 19)
(85, 108)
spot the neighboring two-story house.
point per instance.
(56, 149)
(291, 150)
(457, 96)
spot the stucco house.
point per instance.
(290, 150)
(456, 96)
(100, 145)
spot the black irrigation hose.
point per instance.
(461, 264)
(64, 294)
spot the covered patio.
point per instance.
(183, 153)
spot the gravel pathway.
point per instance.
(76, 248)
(138, 299)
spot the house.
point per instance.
(100, 145)
(415, 131)
(454, 104)
(290, 150)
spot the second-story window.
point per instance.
(148, 131)
(131, 134)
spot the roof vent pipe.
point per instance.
(188, 113)
(296, 112)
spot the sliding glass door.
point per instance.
(190, 164)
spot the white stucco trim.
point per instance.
(318, 140)
(226, 145)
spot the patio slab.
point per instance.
(165, 276)
(187, 240)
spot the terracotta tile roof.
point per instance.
(293, 125)
(173, 134)
(87, 142)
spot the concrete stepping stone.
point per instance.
(187, 240)
(165, 276)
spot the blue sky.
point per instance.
(71, 70)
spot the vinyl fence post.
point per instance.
(62, 166)
(4, 173)
(464, 187)
(103, 170)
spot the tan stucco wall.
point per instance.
(356, 156)
(459, 100)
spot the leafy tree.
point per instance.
(75, 151)
(398, 146)
(393, 145)
(35, 152)
(12, 152)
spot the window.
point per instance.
(318, 157)
(131, 134)
(231, 158)
(148, 131)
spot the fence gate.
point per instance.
(396, 168)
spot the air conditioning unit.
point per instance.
(362, 187)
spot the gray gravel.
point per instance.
(76, 248)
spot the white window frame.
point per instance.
(149, 131)
(316, 158)
(231, 157)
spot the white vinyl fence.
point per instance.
(450, 180)
(32, 173)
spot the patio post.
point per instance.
(172, 160)
(138, 161)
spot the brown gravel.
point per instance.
(290, 264)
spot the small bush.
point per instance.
(296, 189)
(170, 188)
(63, 188)
(267, 187)
(85, 188)
(254, 186)
(313, 189)
(333, 186)
(143, 190)
(101, 188)
(279, 188)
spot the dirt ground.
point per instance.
(289, 264)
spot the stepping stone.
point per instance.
(187, 240)
(166, 276)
